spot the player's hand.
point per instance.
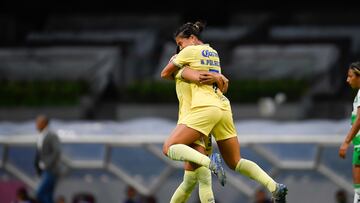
(343, 148)
(226, 84)
(207, 78)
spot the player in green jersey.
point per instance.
(353, 78)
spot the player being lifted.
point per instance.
(210, 113)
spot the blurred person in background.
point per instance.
(84, 197)
(131, 195)
(60, 199)
(22, 196)
(210, 113)
(353, 78)
(150, 199)
(340, 196)
(260, 197)
(47, 160)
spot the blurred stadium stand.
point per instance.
(304, 52)
(102, 158)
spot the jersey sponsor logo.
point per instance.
(206, 53)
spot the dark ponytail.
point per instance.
(188, 29)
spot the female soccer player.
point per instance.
(210, 113)
(193, 173)
(353, 78)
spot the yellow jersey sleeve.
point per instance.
(184, 57)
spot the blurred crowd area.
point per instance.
(20, 194)
(98, 65)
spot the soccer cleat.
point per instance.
(279, 195)
(216, 168)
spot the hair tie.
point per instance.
(197, 27)
(356, 70)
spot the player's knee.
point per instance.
(205, 180)
(204, 176)
(232, 163)
(232, 166)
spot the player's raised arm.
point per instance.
(169, 70)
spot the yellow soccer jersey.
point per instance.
(203, 57)
(183, 92)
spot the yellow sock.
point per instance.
(181, 152)
(183, 192)
(253, 171)
(203, 175)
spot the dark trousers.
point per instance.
(46, 188)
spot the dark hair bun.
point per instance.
(200, 25)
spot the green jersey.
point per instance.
(356, 105)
